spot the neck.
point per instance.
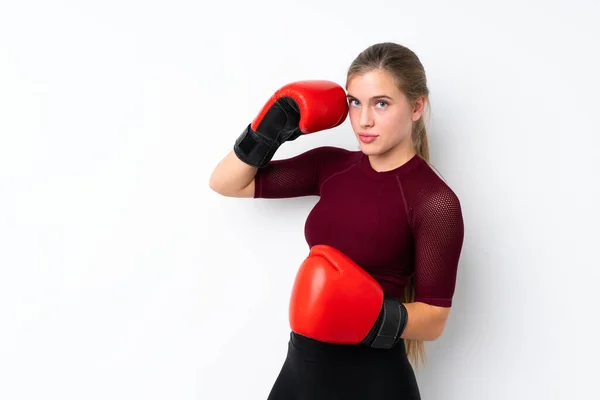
(391, 159)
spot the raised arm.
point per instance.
(233, 178)
(295, 109)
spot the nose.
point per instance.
(366, 119)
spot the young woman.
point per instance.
(383, 207)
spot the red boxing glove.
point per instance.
(295, 109)
(334, 300)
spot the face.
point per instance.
(380, 114)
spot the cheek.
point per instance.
(391, 123)
(354, 116)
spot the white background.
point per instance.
(123, 276)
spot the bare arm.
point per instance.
(425, 322)
(233, 178)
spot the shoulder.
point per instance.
(430, 196)
(329, 161)
(430, 183)
(336, 159)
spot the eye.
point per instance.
(382, 103)
(353, 102)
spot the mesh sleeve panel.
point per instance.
(296, 176)
(438, 231)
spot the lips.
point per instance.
(366, 137)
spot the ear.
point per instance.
(418, 108)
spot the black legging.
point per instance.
(315, 370)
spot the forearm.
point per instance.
(233, 178)
(425, 322)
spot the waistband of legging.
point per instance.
(316, 347)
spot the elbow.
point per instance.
(222, 188)
(212, 184)
(439, 318)
(438, 331)
(215, 185)
(436, 335)
(431, 335)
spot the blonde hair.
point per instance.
(409, 74)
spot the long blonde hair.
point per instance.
(409, 74)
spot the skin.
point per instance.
(378, 107)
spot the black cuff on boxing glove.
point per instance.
(253, 149)
(278, 125)
(390, 324)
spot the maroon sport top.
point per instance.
(394, 224)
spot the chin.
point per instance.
(369, 150)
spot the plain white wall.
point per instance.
(122, 276)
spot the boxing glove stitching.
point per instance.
(403, 322)
(396, 335)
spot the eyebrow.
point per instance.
(381, 96)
